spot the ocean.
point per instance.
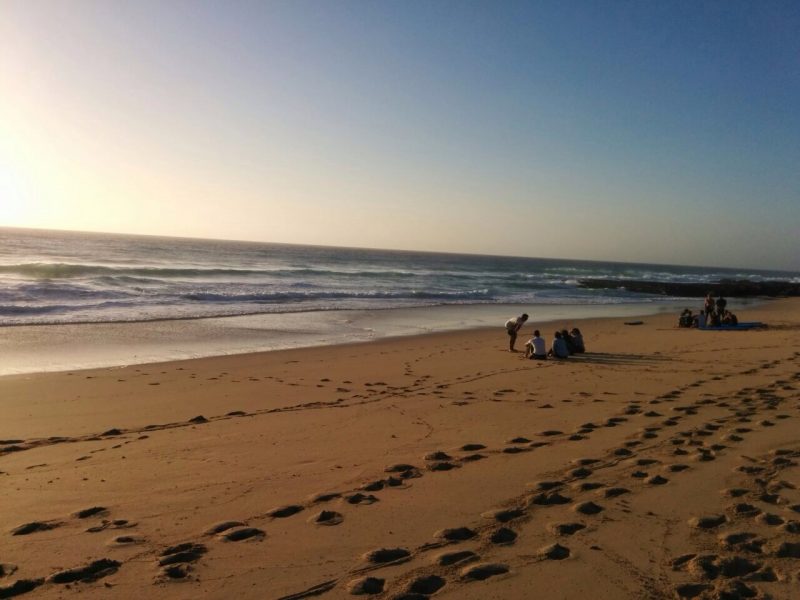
(49, 277)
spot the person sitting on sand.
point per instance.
(700, 320)
(686, 319)
(559, 349)
(577, 340)
(536, 348)
(568, 340)
(713, 319)
(721, 304)
(728, 318)
(512, 328)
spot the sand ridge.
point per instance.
(663, 464)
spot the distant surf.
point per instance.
(60, 277)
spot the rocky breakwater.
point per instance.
(725, 287)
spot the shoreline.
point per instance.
(73, 346)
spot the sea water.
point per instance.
(75, 300)
(51, 277)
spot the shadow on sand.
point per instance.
(619, 358)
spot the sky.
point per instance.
(664, 132)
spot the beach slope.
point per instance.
(663, 463)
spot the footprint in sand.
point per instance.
(588, 508)
(283, 512)
(483, 571)
(554, 552)
(770, 519)
(503, 536)
(615, 491)
(91, 572)
(744, 509)
(359, 498)
(677, 468)
(35, 527)
(386, 555)
(442, 466)
(452, 558)
(587, 486)
(324, 497)
(456, 534)
(186, 552)
(549, 499)
(91, 512)
(747, 541)
(472, 447)
(405, 471)
(126, 540)
(240, 534)
(504, 515)
(708, 521)
(581, 473)
(366, 586)
(472, 457)
(518, 440)
(437, 456)
(327, 517)
(547, 485)
(218, 528)
(115, 524)
(374, 486)
(566, 528)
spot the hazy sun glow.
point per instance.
(537, 130)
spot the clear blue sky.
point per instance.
(644, 131)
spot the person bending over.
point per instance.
(512, 328)
(536, 348)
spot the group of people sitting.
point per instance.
(564, 342)
(714, 314)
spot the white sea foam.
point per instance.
(49, 277)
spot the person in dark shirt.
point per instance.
(568, 341)
(577, 340)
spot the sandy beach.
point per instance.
(661, 464)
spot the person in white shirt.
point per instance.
(536, 348)
(512, 328)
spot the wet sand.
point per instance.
(663, 463)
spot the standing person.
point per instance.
(536, 348)
(709, 303)
(512, 328)
(721, 304)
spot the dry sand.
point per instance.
(663, 463)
